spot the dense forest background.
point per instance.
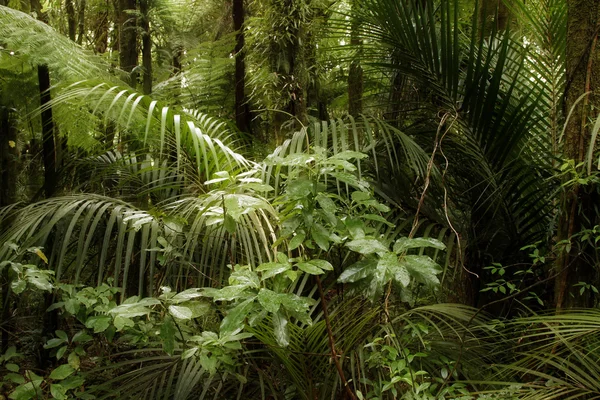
(299, 199)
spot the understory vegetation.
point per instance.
(299, 199)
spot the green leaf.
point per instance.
(18, 286)
(309, 268)
(73, 360)
(123, 322)
(167, 334)
(61, 372)
(61, 352)
(98, 323)
(270, 300)
(229, 224)
(296, 241)
(366, 246)
(404, 244)
(280, 329)
(52, 343)
(320, 236)
(63, 335)
(12, 367)
(180, 312)
(325, 265)
(422, 268)
(58, 391)
(82, 337)
(358, 271)
(188, 353)
(236, 316)
(26, 391)
(15, 378)
(272, 269)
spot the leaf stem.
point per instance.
(332, 341)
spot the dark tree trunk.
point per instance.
(48, 134)
(81, 21)
(146, 47)
(8, 186)
(49, 147)
(101, 33)
(355, 74)
(493, 15)
(8, 157)
(242, 114)
(577, 205)
(128, 55)
(71, 18)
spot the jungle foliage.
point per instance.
(361, 199)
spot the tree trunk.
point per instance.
(355, 74)
(242, 114)
(48, 134)
(101, 33)
(70, 8)
(128, 55)
(493, 15)
(49, 147)
(8, 157)
(577, 206)
(81, 22)
(146, 47)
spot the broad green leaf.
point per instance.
(358, 271)
(26, 391)
(82, 337)
(422, 268)
(325, 265)
(320, 236)
(61, 352)
(269, 300)
(12, 367)
(58, 391)
(404, 244)
(15, 378)
(55, 342)
(280, 329)
(180, 312)
(73, 360)
(61, 372)
(296, 241)
(121, 322)
(167, 334)
(309, 268)
(244, 276)
(366, 246)
(272, 269)
(227, 293)
(18, 286)
(236, 316)
(98, 323)
(189, 352)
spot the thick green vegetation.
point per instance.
(300, 199)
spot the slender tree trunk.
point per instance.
(49, 147)
(577, 205)
(48, 134)
(101, 33)
(355, 74)
(493, 14)
(146, 47)
(128, 55)
(70, 8)
(242, 115)
(8, 157)
(81, 21)
(8, 186)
